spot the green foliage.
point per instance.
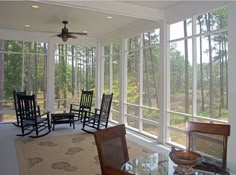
(177, 119)
(116, 90)
(12, 67)
(151, 114)
(176, 70)
(132, 92)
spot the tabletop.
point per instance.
(155, 164)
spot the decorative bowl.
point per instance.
(184, 160)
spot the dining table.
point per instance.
(158, 164)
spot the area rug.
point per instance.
(74, 154)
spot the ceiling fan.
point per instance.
(65, 34)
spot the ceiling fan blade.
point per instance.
(78, 33)
(59, 35)
(71, 36)
(54, 35)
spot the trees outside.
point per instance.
(74, 71)
(211, 69)
(213, 62)
(111, 57)
(21, 69)
(24, 67)
(143, 61)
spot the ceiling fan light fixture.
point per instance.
(64, 38)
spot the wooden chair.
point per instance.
(210, 140)
(99, 118)
(29, 117)
(112, 147)
(86, 100)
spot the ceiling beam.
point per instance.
(111, 7)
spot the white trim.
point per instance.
(51, 76)
(111, 67)
(194, 62)
(232, 85)
(163, 83)
(141, 83)
(99, 74)
(123, 81)
(23, 71)
(167, 83)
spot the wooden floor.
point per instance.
(8, 159)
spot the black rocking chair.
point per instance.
(15, 93)
(99, 118)
(30, 119)
(85, 105)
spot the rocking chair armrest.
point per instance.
(97, 110)
(45, 113)
(38, 110)
(73, 104)
(88, 113)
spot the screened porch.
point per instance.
(166, 63)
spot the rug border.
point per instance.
(20, 157)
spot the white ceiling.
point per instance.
(161, 5)
(82, 15)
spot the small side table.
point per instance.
(62, 118)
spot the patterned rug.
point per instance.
(74, 154)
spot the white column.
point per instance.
(123, 81)
(76, 58)
(22, 72)
(232, 85)
(164, 78)
(141, 84)
(99, 76)
(111, 68)
(194, 59)
(51, 75)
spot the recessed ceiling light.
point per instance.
(35, 6)
(84, 31)
(27, 25)
(109, 17)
